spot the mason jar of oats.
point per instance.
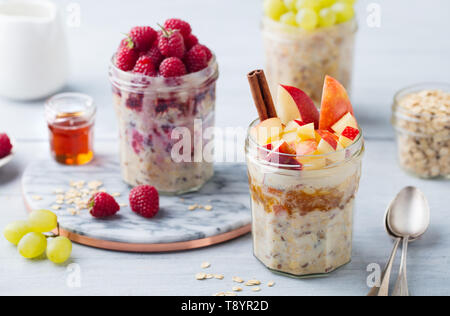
(303, 217)
(421, 118)
(302, 58)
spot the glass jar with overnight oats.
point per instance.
(303, 214)
(306, 40)
(149, 109)
(421, 118)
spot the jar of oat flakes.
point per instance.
(421, 118)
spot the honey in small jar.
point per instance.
(70, 119)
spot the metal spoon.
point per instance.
(409, 220)
(383, 290)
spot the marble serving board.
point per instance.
(175, 224)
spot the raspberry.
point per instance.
(172, 67)
(143, 37)
(5, 146)
(126, 56)
(196, 59)
(171, 44)
(209, 55)
(103, 205)
(144, 200)
(145, 66)
(177, 24)
(155, 55)
(190, 41)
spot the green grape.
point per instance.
(15, 231)
(344, 12)
(43, 221)
(307, 19)
(327, 17)
(291, 5)
(326, 3)
(59, 250)
(32, 245)
(308, 4)
(289, 19)
(274, 9)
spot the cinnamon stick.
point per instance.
(261, 95)
(258, 98)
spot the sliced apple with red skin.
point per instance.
(311, 159)
(328, 143)
(279, 155)
(348, 136)
(335, 104)
(293, 126)
(348, 120)
(294, 104)
(268, 131)
(307, 131)
(306, 148)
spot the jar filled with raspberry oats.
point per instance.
(303, 217)
(302, 58)
(421, 118)
(149, 109)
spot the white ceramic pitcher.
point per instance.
(33, 49)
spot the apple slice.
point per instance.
(294, 104)
(347, 121)
(293, 126)
(279, 155)
(268, 131)
(306, 148)
(311, 159)
(335, 104)
(307, 131)
(328, 143)
(348, 136)
(291, 138)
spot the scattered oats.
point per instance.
(102, 190)
(56, 207)
(237, 289)
(193, 207)
(230, 294)
(123, 205)
(271, 284)
(219, 294)
(37, 198)
(59, 202)
(219, 276)
(209, 276)
(72, 211)
(205, 265)
(58, 191)
(60, 197)
(200, 276)
(238, 280)
(256, 289)
(253, 282)
(94, 185)
(116, 194)
(208, 207)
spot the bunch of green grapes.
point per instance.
(31, 242)
(310, 14)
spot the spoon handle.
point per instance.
(383, 290)
(401, 287)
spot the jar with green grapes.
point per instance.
(305, 40)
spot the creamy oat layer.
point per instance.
(146, 124)
(303, 225)
(302, 59)
(422, 121)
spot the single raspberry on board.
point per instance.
(172, 67)
(145, 66)
(144, 200)
(143, 37)
(5, 145)
(196, 59)
(177, 24)
(171, 43)
(126, 55)
(103, 205)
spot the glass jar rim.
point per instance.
(357, 146)
(136, 81)
(87, 101)
(296, 30)
(398, 110)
